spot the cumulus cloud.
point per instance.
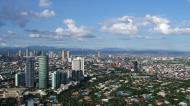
(46, 13)
(44, 3)
(72, 29)
(129, 25)
(19, 15)
(162, 25)
(123, 25)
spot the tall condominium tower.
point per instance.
(43, 71)
(29, 72)
(78, 64)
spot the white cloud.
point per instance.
(72, 29)
(129, 25)
(46, 13)
(162, 25)
(44, 3)
(123, 25)
(34, 35)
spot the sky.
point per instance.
(96, 24)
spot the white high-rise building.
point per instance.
(78, 64)
(20, 53)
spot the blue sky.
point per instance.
(128, 24)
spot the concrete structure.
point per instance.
(65, 55)
(19, 79)
(43, 71)
(29, 72)
(78, 64)
(11, 92)
(56, 79)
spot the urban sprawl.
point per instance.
(58, 78)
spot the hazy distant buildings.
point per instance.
(29, 72)
(27, 53)
(20, 53)
(43, 71)
(65, 55)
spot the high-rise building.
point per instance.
(68, 54)
(56, 79)
(65, 55)
(29, 72)
(78, 64)
(98, 55)
(77, 75)
(43, 71)
(27, 52)
(19, 79)
(135, 66)
(20, 53)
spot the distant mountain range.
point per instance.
(80, 51)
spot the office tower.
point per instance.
(78, 64)
(135, 66)
(30, 53)
(77, 75)
(27, 53)
(98, 54)
(8, 54)
(29, 72)
(19, 79)
(34, 52)
(64, 77)
(51, 54)
(65, 55)
(43, 71)
(68, 54)
(20, 53)
(56, 79)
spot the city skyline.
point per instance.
(128, 24)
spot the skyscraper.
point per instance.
(27, 52)
(58, 77)
(29, 72)
(19, 79)
(43, 71)
(78, 67)
(55, 79)
(20, 53)
(135, 66)
(78, 64)
(65, 55)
